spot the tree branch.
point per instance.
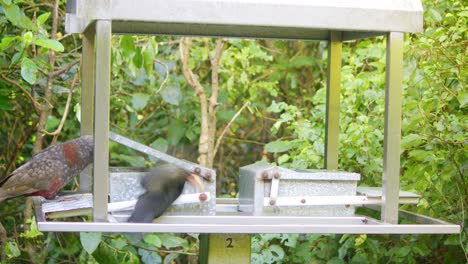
(35, 104)
(226, 128)
(65, 112)
(64, 68)
(203, 147)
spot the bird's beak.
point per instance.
(196, 181)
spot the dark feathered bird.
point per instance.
(163, 185)
(49, 170)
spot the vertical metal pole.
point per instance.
(101, 116)
(87, 97)
(225, 248)
(393, 97)
(332, 122)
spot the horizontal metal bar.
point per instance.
(331, 200)
(207, 173)
(248, 229)
(183, 199)
(285, 18)
(319, 200)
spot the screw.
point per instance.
(208, 175)
(276, 175)
(197, 170)
(365, 220)
(272, 202)
(202, 197)
(265, 175)
(347, 206)
(303, 201)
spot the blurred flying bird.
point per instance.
(163, 185)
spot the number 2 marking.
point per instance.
(229, 240)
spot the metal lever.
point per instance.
(274, 188)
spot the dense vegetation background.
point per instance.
(256, 99)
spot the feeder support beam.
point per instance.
(101, 115)
(87, 97)
(392, 133)
(332, 122)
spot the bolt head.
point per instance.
(203, 197)
(265, 175)
(208, 175)
(276, 175)
(197, 170)
(272, 202)
(303, 201)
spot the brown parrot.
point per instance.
(163, 185)
(49, 170)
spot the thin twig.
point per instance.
(36, 105)
(167, 75)
(218, 142)
(167, 43)
(65, 112)
(18, 147)
(164, 251)
(64, 68)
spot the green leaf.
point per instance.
(148, 59)
(170, 258)
(6, 42)
(403, 251)
(278, 146)
(33, 231)
(138, 58)
(176, 131)
(411, 140)
(173, 241)
(139, 101)
(5, 103)
(153, 240)
(28, 70)
(336, 260)
(462, 99)
(160, 144)
(50, 44)
(12, 250)
(127, 45)
(105, 254)
(27, 37)
(453, 240)
(277, 252)
(43, 18)
(171, 94)
(90, 241)
(149, 257)
(16, 16)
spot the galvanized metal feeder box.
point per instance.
(124, 185)
(266, 189)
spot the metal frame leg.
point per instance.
(393, 101)
(332, 122)
(101, 117)
(87, 97)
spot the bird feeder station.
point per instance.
(272, 199)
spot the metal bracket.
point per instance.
(274, 189)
